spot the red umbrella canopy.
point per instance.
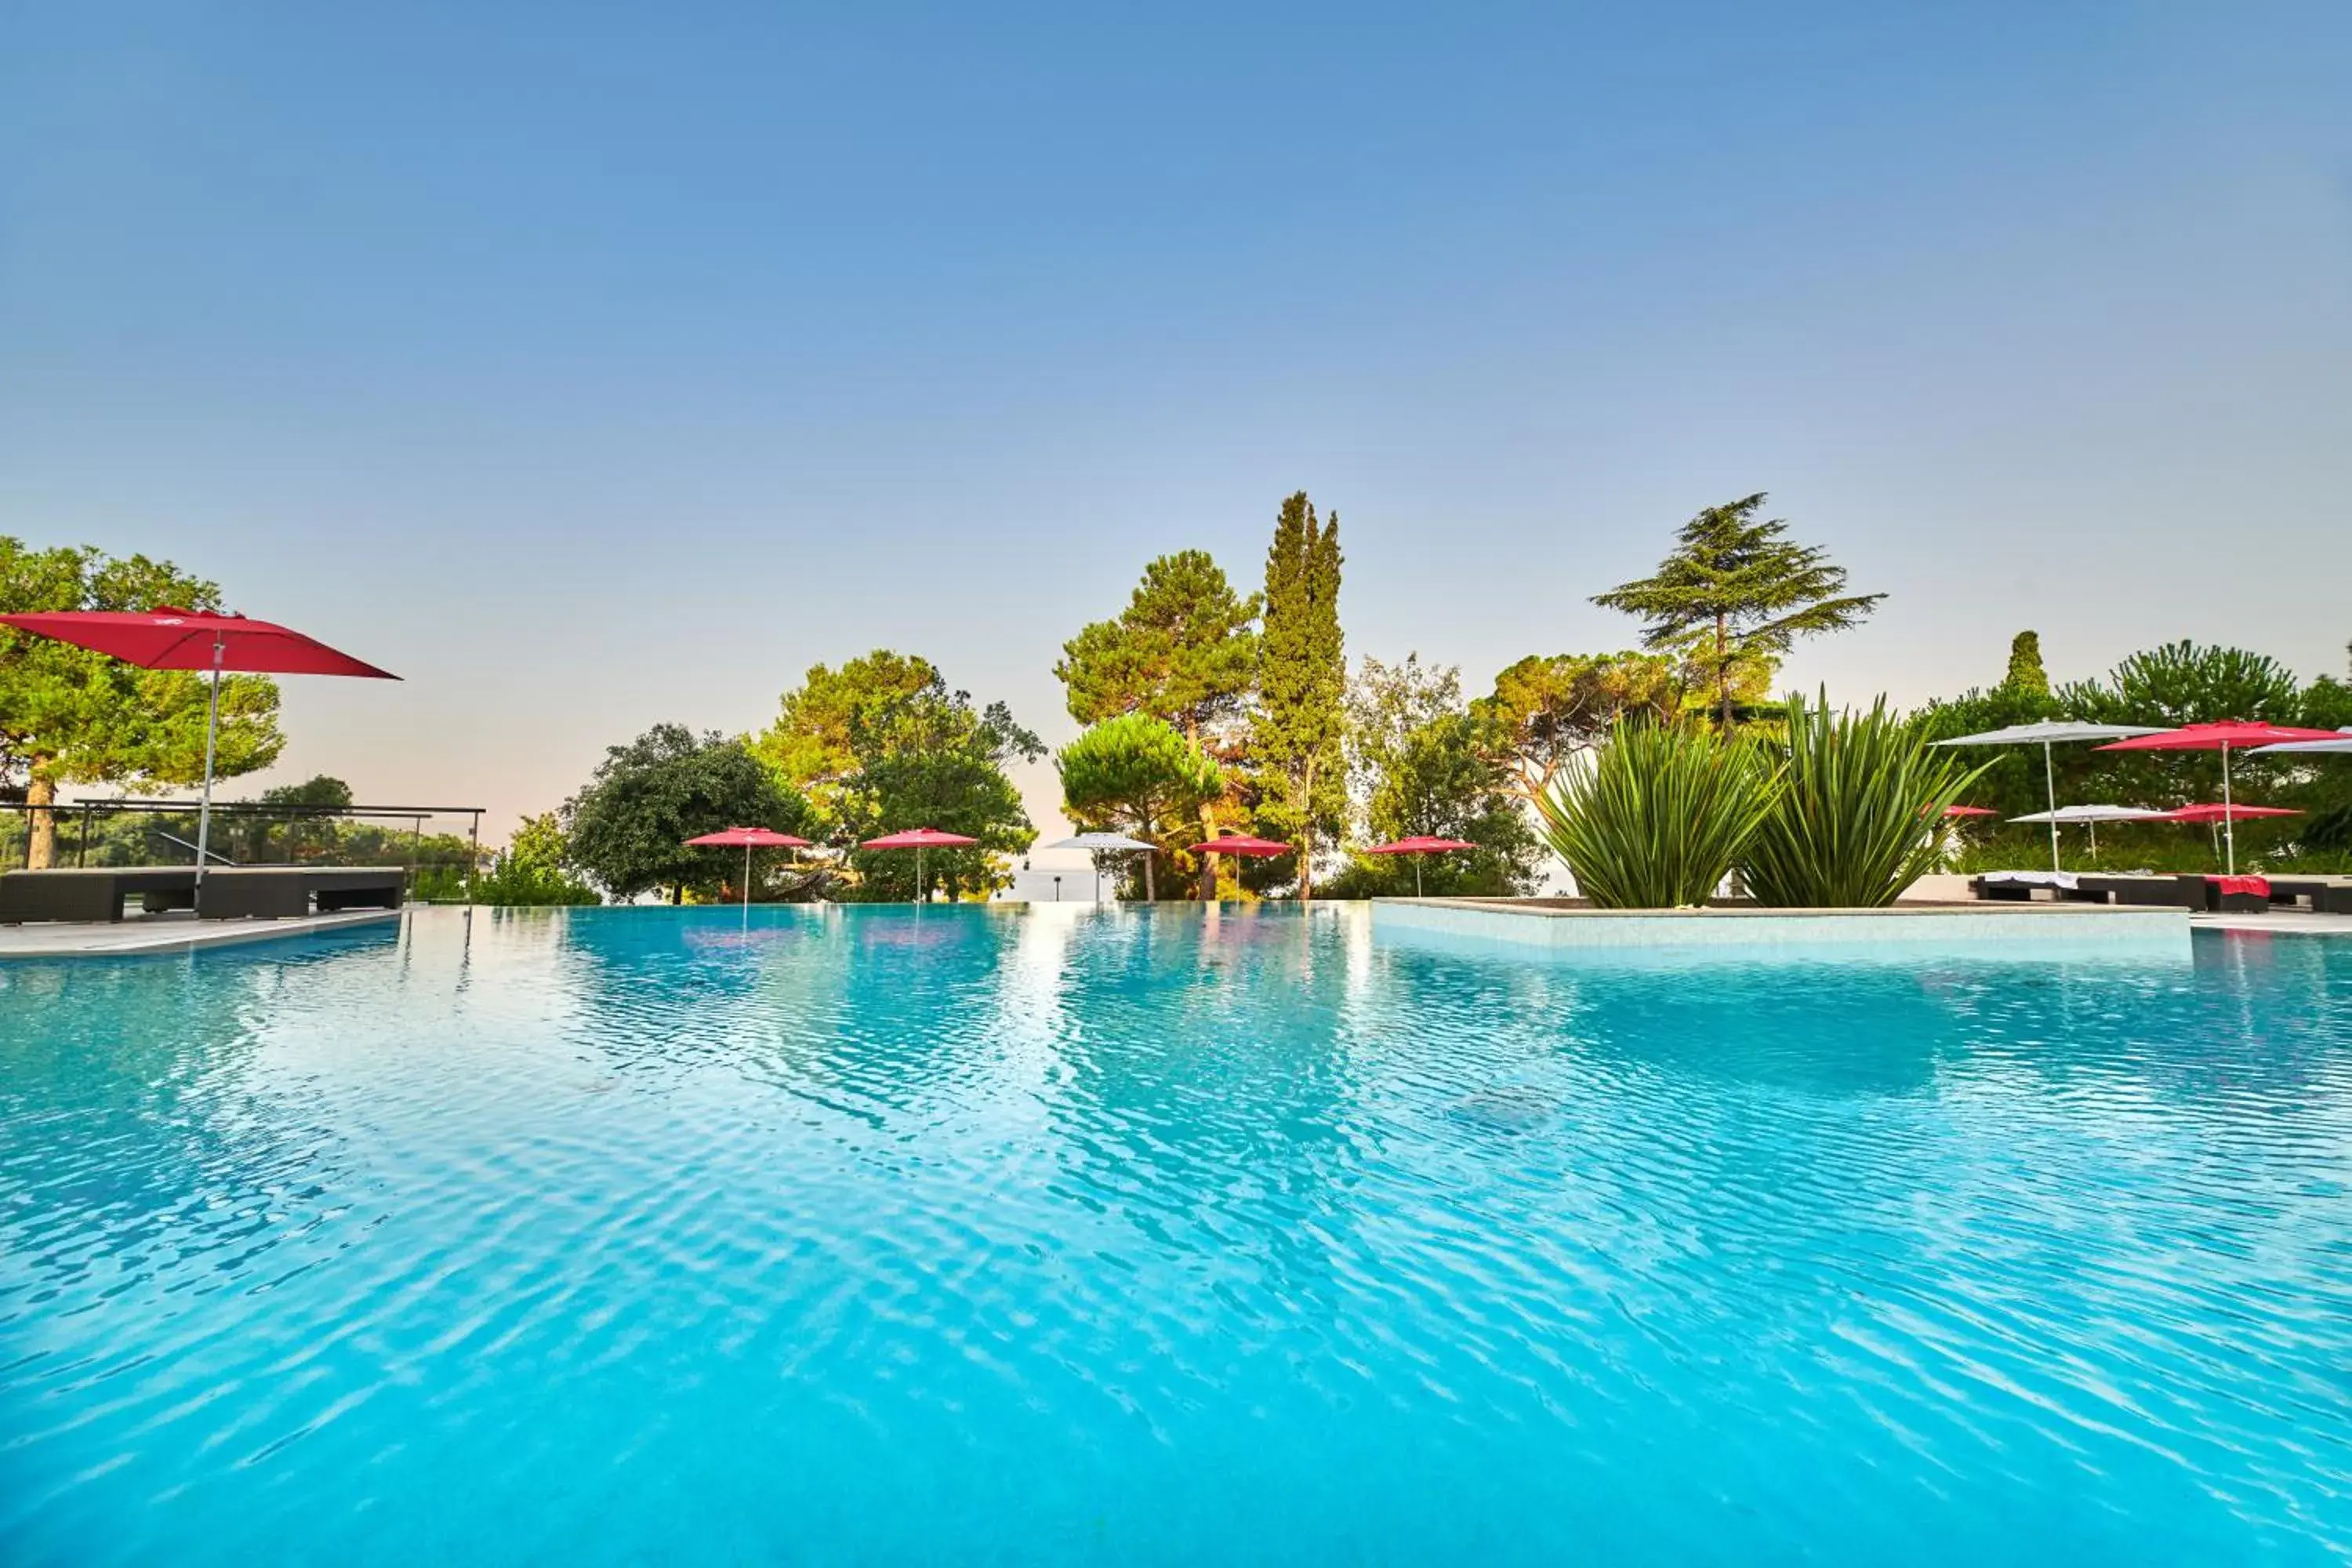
(1421, 847)
(168, 638)
(2216, 812)
(1241, 844)
(920, 839)
(1969, 811)
(2214, 737)
(750, 838)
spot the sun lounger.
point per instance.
(2291, 891)
(2017, 887)
(2149, 891)
(93, 893)
(287, 892)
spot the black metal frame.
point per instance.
(88, 810)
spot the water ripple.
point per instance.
(961, 1235)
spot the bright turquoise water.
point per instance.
(640, 1236)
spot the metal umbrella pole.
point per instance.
(2229, 818)
(212, 733)
(2050, 779)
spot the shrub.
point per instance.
(1859, 813)
(1660, 816)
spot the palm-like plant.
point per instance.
(1659, 818)
(1859, 815)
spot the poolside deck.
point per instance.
(169, 933)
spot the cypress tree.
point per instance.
(2026, 677)
(1300, 727)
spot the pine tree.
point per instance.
(1737, 591)
(1300, 731)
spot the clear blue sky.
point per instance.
(595, 365)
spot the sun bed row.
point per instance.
(102, 893)
(2193, 892)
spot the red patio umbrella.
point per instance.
(919, 840)
(169, 638)
(1417, 847)
(2226, 812)
(2221, 737)
(749, 838)
(1234, 844)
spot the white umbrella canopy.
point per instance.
(2090, 816)
(2315, 748)
(2046, 733)
(1097, 845)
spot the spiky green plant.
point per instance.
(1859, 815)
(1660, 816)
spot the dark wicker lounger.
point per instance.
(92, 893)
(2163, 892)
(2322, 892)
(287, 892)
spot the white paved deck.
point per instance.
(167, 934)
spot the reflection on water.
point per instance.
(1094, 1234)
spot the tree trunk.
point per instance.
(1723, 669)
(41, 849)
(1307, 835)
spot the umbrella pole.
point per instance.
(1416, 876)
(211, 732)
(747, 881)
(919, 874)
(2050, 778)
(2229, 818)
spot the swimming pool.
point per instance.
(1087, 1234)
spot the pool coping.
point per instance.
(1552, 925)
(135, 938)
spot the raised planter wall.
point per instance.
(1903, 933)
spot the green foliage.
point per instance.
(1859, 813)
(1421, 770)
(923, 756)
(810, 745)
(882, 745)
(2026, 680)
(1184, 650)
(1544, 710)
(1736, 593)
(534, 869)
(627, 828)
(2327, 704)
(321, 791)
(71, 716)
(2187, 683)
(1660, 816)
(1136, 774)
(1299, 733)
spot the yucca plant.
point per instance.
(1660, 816)
(1859, 815)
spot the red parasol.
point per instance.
(1417, 847)
(919, 840)
(749, 838)
(2221, 737)
(169, 638)
(1231, 843)
(1240, 844)
(2226, 812)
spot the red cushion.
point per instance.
(2258, 886)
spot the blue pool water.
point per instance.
(964, 1236)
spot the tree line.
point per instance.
(1204, 710)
